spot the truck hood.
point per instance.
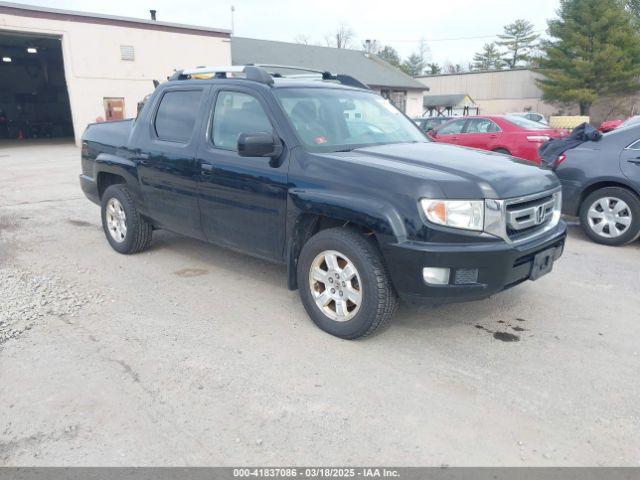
(459, 172)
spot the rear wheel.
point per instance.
(611, 216)
(126, 230)
(344, 286)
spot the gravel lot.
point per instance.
(193, 355)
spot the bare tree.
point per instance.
(371, 46)
(303, 39)
(341, 38)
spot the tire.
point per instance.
(136, 235)
(377, 298)
(602, 204)
(503, 151)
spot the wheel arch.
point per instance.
(605, 183)
(316, 211)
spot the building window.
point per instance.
(127, 53)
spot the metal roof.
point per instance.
(88, 16)
(369, 69)
(456, 100)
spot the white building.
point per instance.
(60, 70)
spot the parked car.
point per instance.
(635, 120)
(508, 134)
(427, 124)
(533, 116)
(609, 125)
(601, 185)
(361, 208)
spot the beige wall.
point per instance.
(94, 69)
(494, 92)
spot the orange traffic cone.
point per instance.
(20, 135)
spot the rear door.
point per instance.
(630, 162)
(166, 159)
(480, 133)
(242, 199)
(450, 132)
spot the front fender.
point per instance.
(306, 206)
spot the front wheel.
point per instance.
(611, 216)
(344, 286)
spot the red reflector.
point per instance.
(560, 159)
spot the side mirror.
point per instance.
(259, 145)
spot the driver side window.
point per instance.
(452, 128)
(236, 113)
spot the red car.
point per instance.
(507, 134)
(609, 125)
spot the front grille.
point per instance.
(527, 216)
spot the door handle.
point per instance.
(206, 168)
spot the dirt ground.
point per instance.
(193, 355)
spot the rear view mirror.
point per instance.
(259, 145)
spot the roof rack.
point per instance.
(259, 73)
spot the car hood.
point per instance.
(458, 171)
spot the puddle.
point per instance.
(519, 329)
(506, 337)
(80, 223)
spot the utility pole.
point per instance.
(233, 9)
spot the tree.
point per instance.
(417, 62)
(433, 69)
(371, 46)
(489, 58)
(303, 39)
(519, 41)
(341, 38)
(633, 7)
(389, 55)
(594, 50)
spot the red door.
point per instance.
(480, 133)
(450, 132)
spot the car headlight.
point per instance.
(465, 214)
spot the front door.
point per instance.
(166, 160)
(242, 199)
(450, 132)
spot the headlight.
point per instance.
(466, 214)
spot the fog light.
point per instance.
(436, 276)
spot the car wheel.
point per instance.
(611, 216)
(503, 151)
(126, 230)
(344, 285)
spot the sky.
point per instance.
(453, 29)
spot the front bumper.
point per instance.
(500, 266)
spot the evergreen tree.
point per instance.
(518, 41)
(489, 58)
(433, 69)
(389, 55)
(414, 65)
(594, 50)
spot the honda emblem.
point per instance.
(540, 214)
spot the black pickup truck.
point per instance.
(329, 179)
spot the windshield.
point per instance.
(525, 123)
(630, 121)
(330, 120)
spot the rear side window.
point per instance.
(481, 125)
(176, 115)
